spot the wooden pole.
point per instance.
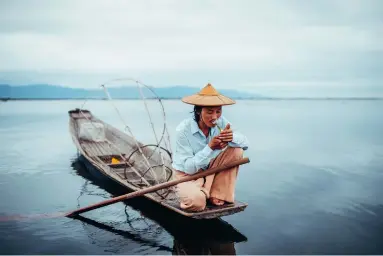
(158, 187)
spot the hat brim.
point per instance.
(206, 100)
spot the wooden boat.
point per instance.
(128, 162)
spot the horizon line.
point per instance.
(179, 98)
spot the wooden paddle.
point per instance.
(158, 187)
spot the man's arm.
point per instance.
(184, 158)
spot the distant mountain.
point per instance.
(45, 91)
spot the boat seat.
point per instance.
(121, 165)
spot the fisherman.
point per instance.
(206, 141)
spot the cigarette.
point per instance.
(215, 122)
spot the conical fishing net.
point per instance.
(119, 151)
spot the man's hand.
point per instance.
(220, 141)
(222, 145)
(226, 135)
(216, 143)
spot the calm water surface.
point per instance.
(314, 183)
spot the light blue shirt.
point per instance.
(192, 151)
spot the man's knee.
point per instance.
(199, 200)
(236, 153)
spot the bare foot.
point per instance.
(216, 201)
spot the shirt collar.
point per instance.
(194, 127)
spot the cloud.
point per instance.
(231, 42)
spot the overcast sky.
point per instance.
(250, 45)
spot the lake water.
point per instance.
(314, 183)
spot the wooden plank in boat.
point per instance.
(94, 147)
(120, 165)
(132, 177)
(88, 149)
(99, 148)
(81, 115)
(121, 171)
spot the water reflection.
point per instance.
(190, 236)
(212, 248)
(123, 233)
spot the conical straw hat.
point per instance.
(208, 96)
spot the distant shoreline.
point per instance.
(249, 99)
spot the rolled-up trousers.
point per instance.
(194, 194)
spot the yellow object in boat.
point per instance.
(115, 161)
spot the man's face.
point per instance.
(210, 114)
